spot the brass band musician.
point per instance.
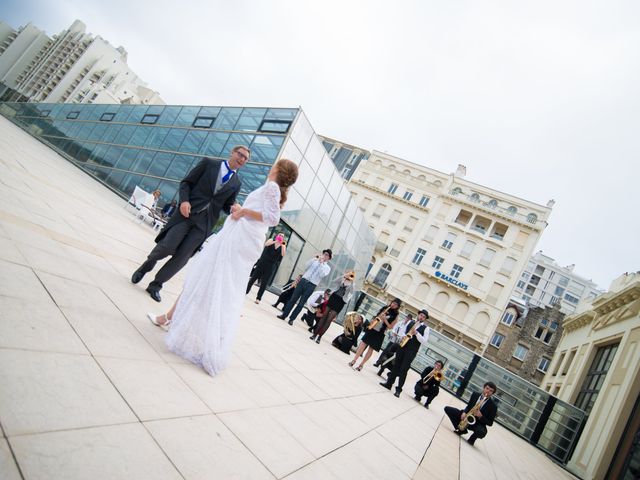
(417, 333)
(372, 340)
(352, 328)
(477, 415)
(429, 383)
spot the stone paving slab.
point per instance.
(88, 389)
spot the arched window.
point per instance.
(422, 177)
(492, 203)
(391, 166)
(422, 291)
(456, 191)
(475, 197)
(532, 218)
(441, 301)
(406, 172)
(405, 282)
(512, 210)
(382, 275)
(460, 311)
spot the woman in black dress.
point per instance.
(374, 336)
(272, 253)
(340, 296)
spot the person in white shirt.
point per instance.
(315, 270)
(392, 346)
(316, 306)
(416, 334)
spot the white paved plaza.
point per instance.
(88, 389)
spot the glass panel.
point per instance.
(174, 139)
(125, 134)
(326, 170)
(140, 136)
(291, 152)
(236, 139)
(138, 112)
(180, 166)
(160, 164)
(281, 114)
(305, 178)
(253, 176)
(193, 141)
(187, 116)
(127, 159)
(111, 132)
(250, 119)
(123, 113)
(156, 137)
(209, 112)
(145, 157)
(227, 118)
(302, 132)
(168, 115)
(112, 155)
(314, 154)
(265, 148)
(214, 143)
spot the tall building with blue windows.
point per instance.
(153, 147)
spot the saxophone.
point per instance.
(408, 336)
(469, 418)
(377, 319)
(349, 325)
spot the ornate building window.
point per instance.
(382, 275)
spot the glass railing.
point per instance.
(550, 424)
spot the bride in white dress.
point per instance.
(203, 321)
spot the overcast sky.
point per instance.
(538, 99)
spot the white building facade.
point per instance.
(545, 283)
(444, 243)
(71, 67)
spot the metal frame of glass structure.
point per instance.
(154, 146)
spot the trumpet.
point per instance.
(436, 375)
(377, 319)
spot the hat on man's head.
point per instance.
(424, 310)
(328, 252)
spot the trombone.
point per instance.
(434, 374)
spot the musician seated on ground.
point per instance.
(352, 329)
(316, 307)
(429, 384)
(483, 409)
(287, 291)
(385, 360)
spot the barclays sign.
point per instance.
(452, 281)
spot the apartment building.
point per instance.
(71, 67)
(445, 243)
(544, 282)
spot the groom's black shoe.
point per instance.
(155, 294)
(281, 317)
(137, 276)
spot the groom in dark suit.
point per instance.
(211, 186)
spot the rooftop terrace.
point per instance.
(89, 390)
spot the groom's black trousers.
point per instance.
(180, 242)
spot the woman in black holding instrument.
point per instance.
(374, 336)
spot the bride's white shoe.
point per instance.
(154, 319)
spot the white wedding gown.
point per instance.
(206, 318)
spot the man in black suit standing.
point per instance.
(484, 412)
(210, 187)
(415, 334)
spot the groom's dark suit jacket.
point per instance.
(198, 189)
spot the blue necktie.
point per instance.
(228, 174)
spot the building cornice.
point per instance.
(609, 308)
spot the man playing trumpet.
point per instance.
(477, 415)
(429, 383)
(417, 334)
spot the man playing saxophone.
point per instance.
(416, 334)
(429, 383)
(478, 414)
